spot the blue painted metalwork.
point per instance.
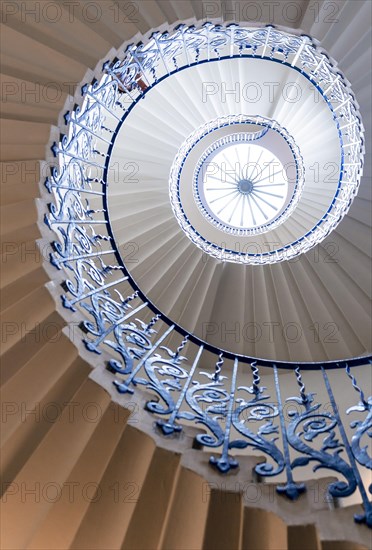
(354, 473)
(253, 411)
(171, 368)
(169, 427)
(303, 430)
(225, 462)
(209, 405)
(107, 303)
(291, 489)
(362, 427)
(125, 386)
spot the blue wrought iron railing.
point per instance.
(196, 382)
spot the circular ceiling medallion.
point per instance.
(245, 183)
(249, 183)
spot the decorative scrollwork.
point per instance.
(362, 427)
(257, 410)
(209, 405)
(77, 187)
(131, 334)
(171, 373)
(304, 428)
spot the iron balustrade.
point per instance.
(196, 382)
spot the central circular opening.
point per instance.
(245, 186)
(242, 184)
(247, 178)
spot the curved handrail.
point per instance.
(138, 352)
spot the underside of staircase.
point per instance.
(84, 467)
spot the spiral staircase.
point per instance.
(98, 450)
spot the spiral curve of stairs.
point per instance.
(119, 484)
